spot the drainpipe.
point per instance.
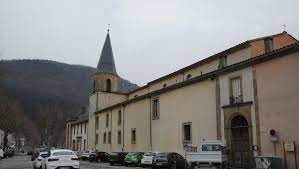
(150, 112)
(123, 133)
(97, 103)
(110, 131)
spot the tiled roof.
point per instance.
(211, 58)
(106, 62)
(211, 75)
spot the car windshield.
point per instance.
(114, 153)
(43, 155)
(161, 155)
(211, 147)
(59, 153)
(131, 154)
(150, 154)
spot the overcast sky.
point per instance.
(149, 38)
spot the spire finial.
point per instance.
(284, 27)
(108, 28)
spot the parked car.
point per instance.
(85, 155)
(147, 159)
(60, 158)
(79, 154)
(34, 155)
(1, 153)
(99, 156)
(37, 162)
(103, 156)
(93, 157)
(29, 153)
(117, 158)
(133, 159)
(8, 153)
(167, 160)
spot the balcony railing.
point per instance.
(236, 99)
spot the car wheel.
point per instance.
(111, 164)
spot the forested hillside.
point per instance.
(43, 89)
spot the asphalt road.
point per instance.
(24, 162)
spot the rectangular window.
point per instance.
(107, 120)
(74, 129)
(119, 137)
(119, 117)
(222, 62)
(97, 139)
(104, 138)
(77, 129)
(236, 92)
(97, 122)
(268, 44)
(133, 136)
(155, 108)
(109, 137)
(85, 128)
(187, 132)
(81, 128)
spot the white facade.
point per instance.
(79, 136)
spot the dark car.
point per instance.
(34, 155)
(117, 158)
(29, 153)
(103, 156)
(167, 160)
(93, 157)
(8, 153)
(100, 156)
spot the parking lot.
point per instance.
(24, 162)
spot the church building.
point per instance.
(227, 96)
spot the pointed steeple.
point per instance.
(106, 62)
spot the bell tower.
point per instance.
(106, 78)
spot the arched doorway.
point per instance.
(240, 152)
(108, 85)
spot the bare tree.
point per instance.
(51, 124)
(14, 121)
(8, 122)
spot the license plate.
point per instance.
(64, 167)
(159, 164)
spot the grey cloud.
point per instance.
(149, 38)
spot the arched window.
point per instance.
(108, 85)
